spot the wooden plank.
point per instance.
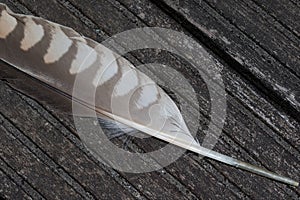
(285, 11)
(268, 34)
(238, 50)
(60, 154)
(8, 189)
(20, 181)
(236, 86)
(31, 168)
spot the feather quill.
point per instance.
(52, 55)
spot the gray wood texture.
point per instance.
(256, 45)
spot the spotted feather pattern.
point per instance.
(57, 55)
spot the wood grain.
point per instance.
(256, 48)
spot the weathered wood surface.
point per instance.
(257, 47)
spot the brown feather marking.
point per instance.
(7, 24)
(59, 45)
(85, 58)
(33, 33)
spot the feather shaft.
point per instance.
(196, 148)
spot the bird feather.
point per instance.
(51, 57)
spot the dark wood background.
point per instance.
(256, 42)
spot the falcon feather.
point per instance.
(54, 55)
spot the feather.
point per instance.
(51, 56)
